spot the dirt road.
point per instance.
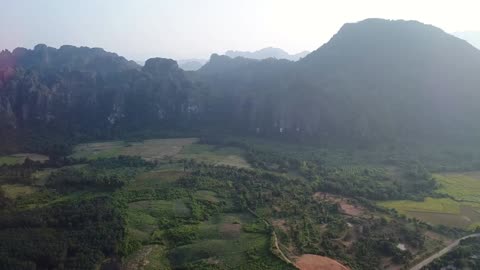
(442, 252)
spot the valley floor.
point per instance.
(239, 204)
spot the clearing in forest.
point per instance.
(149, 149)
(347, 206)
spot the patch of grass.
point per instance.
(20, 158)
(206, 195)
(229, 156)
(10, 160)
(140, 224)
(460, 186)
(444, 211)
(461, 209)
(155, 149)
(156, 179)
(432, 205)
(14, 191)
(239, 251)
(157, 259)
(144, 215)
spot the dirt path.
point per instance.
(277, 250)
(442, 252)
(139, 260)
(277, 247)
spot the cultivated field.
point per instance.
(230, 156)
(149, 149)
(461, 207)
(158, 149)
(460, 186)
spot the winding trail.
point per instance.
(442, 252)
(277, 251)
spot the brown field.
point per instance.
(230, 230)
(316, 262)
(346, 206)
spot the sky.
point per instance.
(182, 29)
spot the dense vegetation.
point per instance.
(465, 256)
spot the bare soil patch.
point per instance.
(316, 262)
(346, 206)
(230, 229)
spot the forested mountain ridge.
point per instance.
(374, 81)
(87, 92)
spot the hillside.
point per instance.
(375, 81)
(346, 159)
(82, 92)
(472, 37)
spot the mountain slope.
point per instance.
(375, 80)
(472, 37)
(75, 92)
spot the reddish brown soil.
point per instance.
(230, 229)
(280, 224)
(345, 206)
(316, 262)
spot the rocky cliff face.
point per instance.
(374, 81)
(88, 91)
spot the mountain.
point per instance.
(472, 37)
(265, 53)
(66, 58)
(375, 81)
(191, 64)
(88, 92)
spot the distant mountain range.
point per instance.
(191, 64)
(374, 81)
(265, 53)
(472, 37)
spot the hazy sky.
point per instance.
(140, 29)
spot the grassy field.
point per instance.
(230, 156)
(19, 158)
(156, 179)
(460, 209)
(157, 149)
(206, 195)
(460, 186)
(224, 243)
(149, 149)
(13, 191)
